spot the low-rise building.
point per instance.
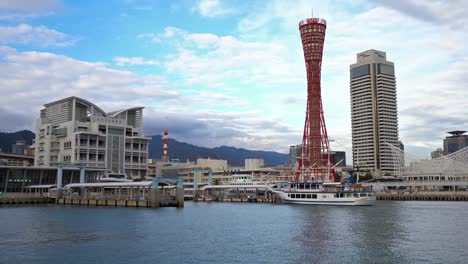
(16, 160)
(213, 164)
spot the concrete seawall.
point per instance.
(424, 196)
(25, 200)
(109, 203)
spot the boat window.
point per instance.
(309, 196)
(355, 194)
(303, 196)
(314, 196)
(337, 195)
(293, 195)
(348, 195)
(341, 195)
(289, 195)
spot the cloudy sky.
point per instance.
(216, 72)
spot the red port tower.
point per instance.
(314, 161)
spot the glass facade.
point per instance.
(386, 69)
(360, 71)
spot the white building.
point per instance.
(213, 164)
(252, 164)
(374, 116)
(75, 131)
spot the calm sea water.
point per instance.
(390, 232)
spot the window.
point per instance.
(360, 71)
(386, 69)
(309, 196)
(314, 196)
(303, 196)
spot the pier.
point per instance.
(161, 192)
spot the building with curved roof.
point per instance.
(75, 131)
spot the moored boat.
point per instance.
(323, 193)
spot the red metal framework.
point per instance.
(314, 162)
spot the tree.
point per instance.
(216, 181)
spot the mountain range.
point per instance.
(177, 150)
(8, 139)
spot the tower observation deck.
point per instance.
(314, 163)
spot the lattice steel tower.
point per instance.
(314, 163)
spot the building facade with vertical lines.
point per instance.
(374, 113)
(76, 131)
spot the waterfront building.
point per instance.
(15, 160)
(24, 178)
(251, 164)
(374, 116)
(76, 131)
(294, 152)
(456, 141)
(19, 147)
(338, 158)
(213, 164)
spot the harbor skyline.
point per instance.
(224, 73)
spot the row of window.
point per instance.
(336, 195)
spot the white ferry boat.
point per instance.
(244, 180)
(323, 193)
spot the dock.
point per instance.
(160, 192)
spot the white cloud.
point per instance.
(32, 79)
(267, 56)
(426, 40)
(452, 13)
(130, 61)
(42, 36)
(21, 10)
(29, 5)
(211, 8)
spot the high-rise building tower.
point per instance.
(374, 116)
(314, 160)
(456, 141)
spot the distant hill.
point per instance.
(234, 156)
(177, 150)
(8, 139)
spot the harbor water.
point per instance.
(389, 232)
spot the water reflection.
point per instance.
(391, 232)
(350, 234)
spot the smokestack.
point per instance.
(165, 140)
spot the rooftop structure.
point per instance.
(450, 165)
(456, 133)
(456, 141)
(75, 131)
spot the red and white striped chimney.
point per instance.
(165, 141)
